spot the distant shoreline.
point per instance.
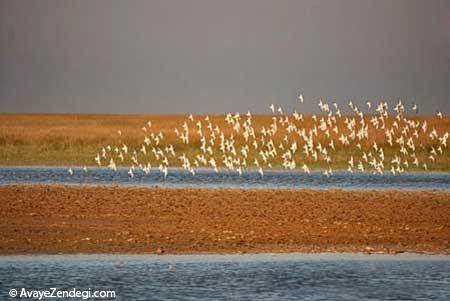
(221, 169)
(242, 257)
(56, 219)
(75, 139)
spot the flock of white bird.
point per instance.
(296, 143)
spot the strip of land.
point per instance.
(53, 219)
(75, 139)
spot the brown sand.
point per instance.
(115, 219)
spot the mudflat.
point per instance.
(116, 219)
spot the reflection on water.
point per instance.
(236, 277)
(208, 178)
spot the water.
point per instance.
(232, 277)
(236, 277)
(208, 178)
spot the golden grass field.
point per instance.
(75, 139)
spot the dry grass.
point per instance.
(74, 139)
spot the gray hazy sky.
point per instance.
(219, 56)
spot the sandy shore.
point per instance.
(62, 219)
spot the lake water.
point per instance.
(235, 277)
(232, 277)
(208, 178)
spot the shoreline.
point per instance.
(220, 188)
(232, 256)
(221, 169)
(58, 219)
(75, 139)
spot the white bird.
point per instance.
(285, 137)
(272, 108)
(125, 149)
(280, 110)
(112, 165)
(306, 169)
(70, 171)
(351, 162)
(143, 149)
(261, 172)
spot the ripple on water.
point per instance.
(208, 178)
(238, 277)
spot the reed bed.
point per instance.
(75, 139)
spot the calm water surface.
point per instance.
(236, 277)
(232, 277)
(208, 178)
